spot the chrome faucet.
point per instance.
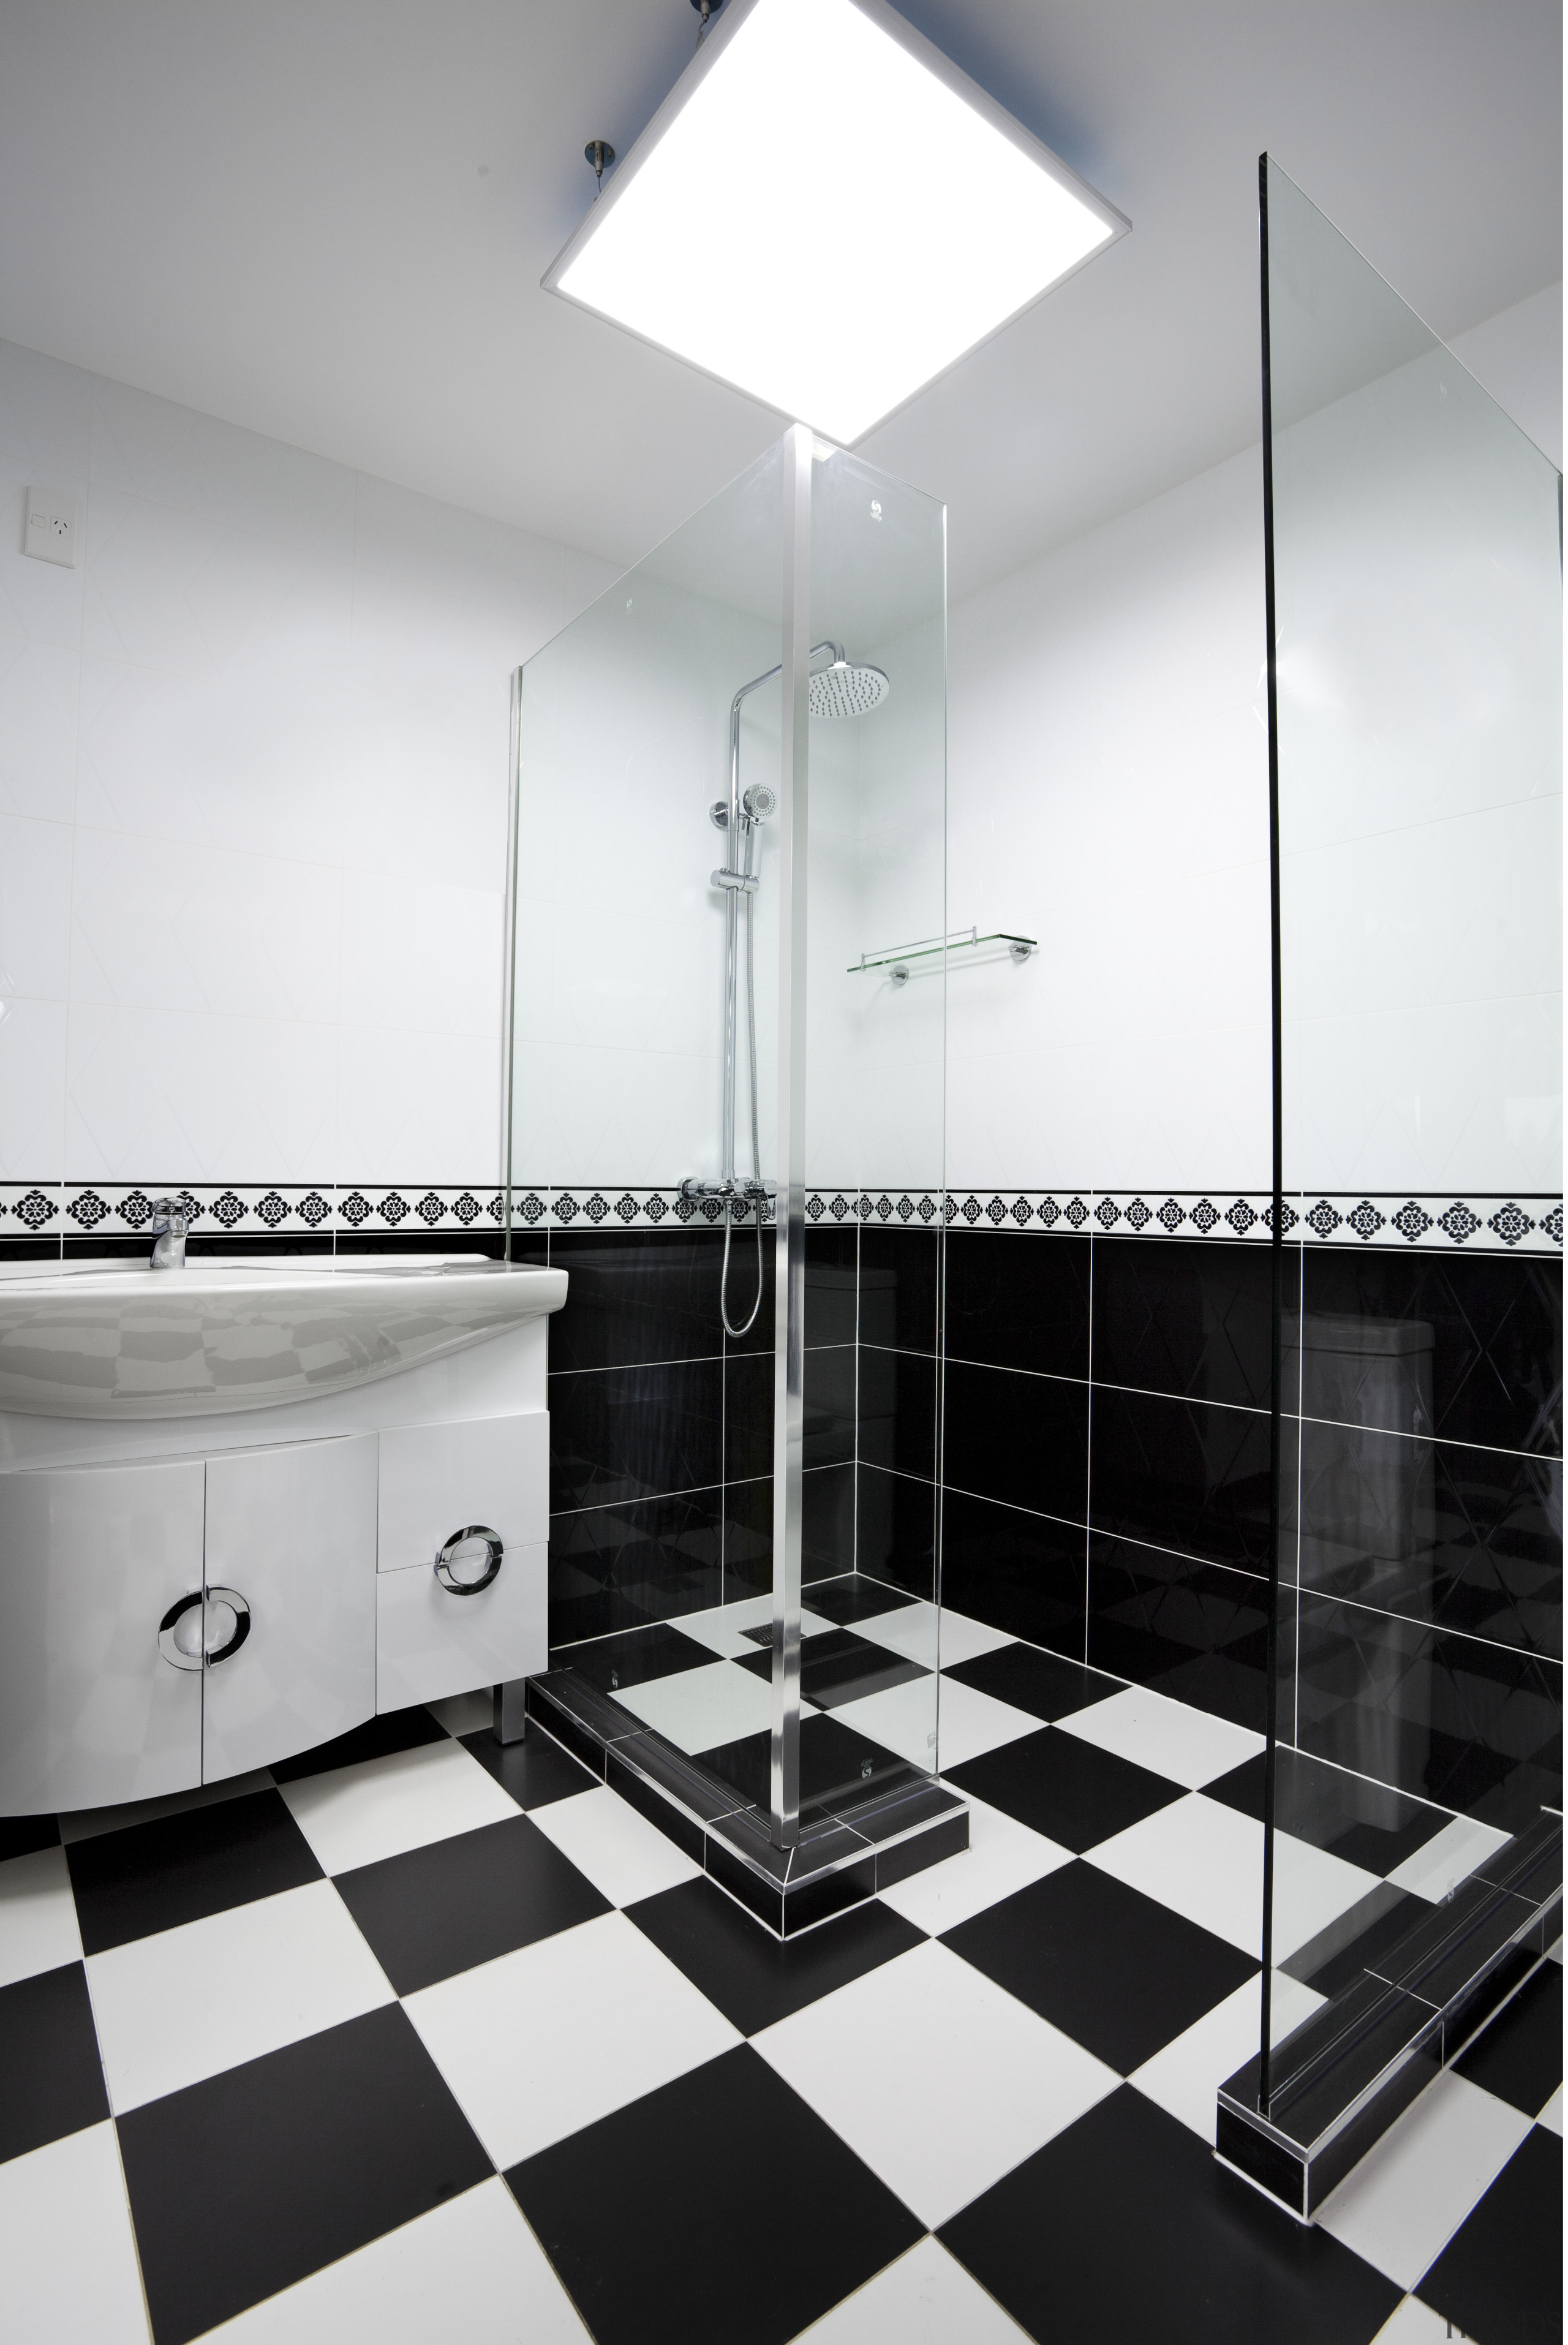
(168, 1228)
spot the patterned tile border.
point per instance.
(1479, 1224)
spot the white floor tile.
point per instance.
(623, 1855)
(188, 2002)
(1551, 2115)
(925, 2298)
(356, 1815)
(1186, 2074)
(722, 1628)
(464, 1713)
(1415, 2323)
(471, 2270)
(69, 2261)
(1448, 1858)
(934, 2076)
(38, 1916)
(697, 1710)
(964, 1721)
(1204, 1860)
(1403, 2202)
(1169, 1738)
(932, 1635)
(1002, 1857)
(85, 1823)
(540, 2043)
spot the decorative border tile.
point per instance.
(101, 1208)
(1481, 1224)
(1217, 1213)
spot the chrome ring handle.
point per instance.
(493, 1554)
(183, 1632)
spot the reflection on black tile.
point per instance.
(854, 1597)
(49, 2059)
(1015, 1302)
(1193, 1631)
(180, 1868)
(432, 1912)
(837, 1667)
(1190, 1320)
(757, 1979)
(294, 2159)
(620, 1434)
(23, 1835)
(1367, 1824)
(830, 1285)
(827, 1522)
(1501, 2276)
(1361, 1939)
(749, 1537)
(1020, 1439)
(1470, 1539)
(637, 1295)
(1057, 1784)
(1215, 2263)
(896, 1530)
(1185, 1474)
(1118, 1973)
(534, 1772)
(1044, 1684)
(828, 1406)
(899, 1277)
(1014, 1570)
(899, 1411)
(1519, 2054)
(1496, 1331)
(1474, 1727)
(617, 1567)
(838, 1768)
(612, 2207)
(378, 1738)
(631, 1657)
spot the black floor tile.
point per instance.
(379, 1738)
(754, 1978)
(1043, 1684)
(1519, 2057)
(51, 2079)
(1366, 1823)
(1118, 1973)
(1360, 1939)
(632, 1656)
(1500, 2278)
(155, 1875)
(243, 2184)
(534, 1771)
(837, 1667)
(464, 1900)
(1064, 1787)
(647, 2264)
(854, 1597)
(1124, 2228)
(838, 1768)
(20, 1836)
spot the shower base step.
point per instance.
(841, 1860)
(1343, 2076)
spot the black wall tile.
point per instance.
(896, 1530)
(749, 1537)
(636, 1296)
(830, 1256)
(1496, 1322)
(1193, 1631)
(1183, 1475)
(827, 1523)
(900, 1282)
(617, 1434)
(1020, 1439)
(1017, 1302)
(1016, 1571)
(828, 1405)
(759, 1335)
(617, 1566)
(898, 1410)
(1193, 1320)
(749, 1415)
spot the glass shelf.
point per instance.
(962, 939)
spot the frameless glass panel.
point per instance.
(1417, 586)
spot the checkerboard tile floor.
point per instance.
(418, 2038)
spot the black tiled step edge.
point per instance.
(839, 1863)
(1343, 2076)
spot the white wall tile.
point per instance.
(33, 1091)
(185, 1094)
(418, 957)
(39, 703)
(418, 1107)
(34, 907)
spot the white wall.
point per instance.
(253, 786)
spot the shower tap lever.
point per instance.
(744, 882)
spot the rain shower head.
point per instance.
(843, 690)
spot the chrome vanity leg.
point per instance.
(508, 1722)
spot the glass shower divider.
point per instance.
(725, 770)
(1412, 1781)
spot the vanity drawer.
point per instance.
(435, 1479)
(432, 1641)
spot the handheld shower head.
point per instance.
(843, 690)
(759, 801)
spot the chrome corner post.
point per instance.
(789, 1305)
(509, 948)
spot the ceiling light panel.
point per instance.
(827, 214)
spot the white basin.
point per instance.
(122, 1341)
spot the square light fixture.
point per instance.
(826, 213)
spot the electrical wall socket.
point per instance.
(51, 527)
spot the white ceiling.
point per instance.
(327, 219)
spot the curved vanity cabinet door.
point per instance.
(92, 1559)
(434, 1635)
(292, 1532)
